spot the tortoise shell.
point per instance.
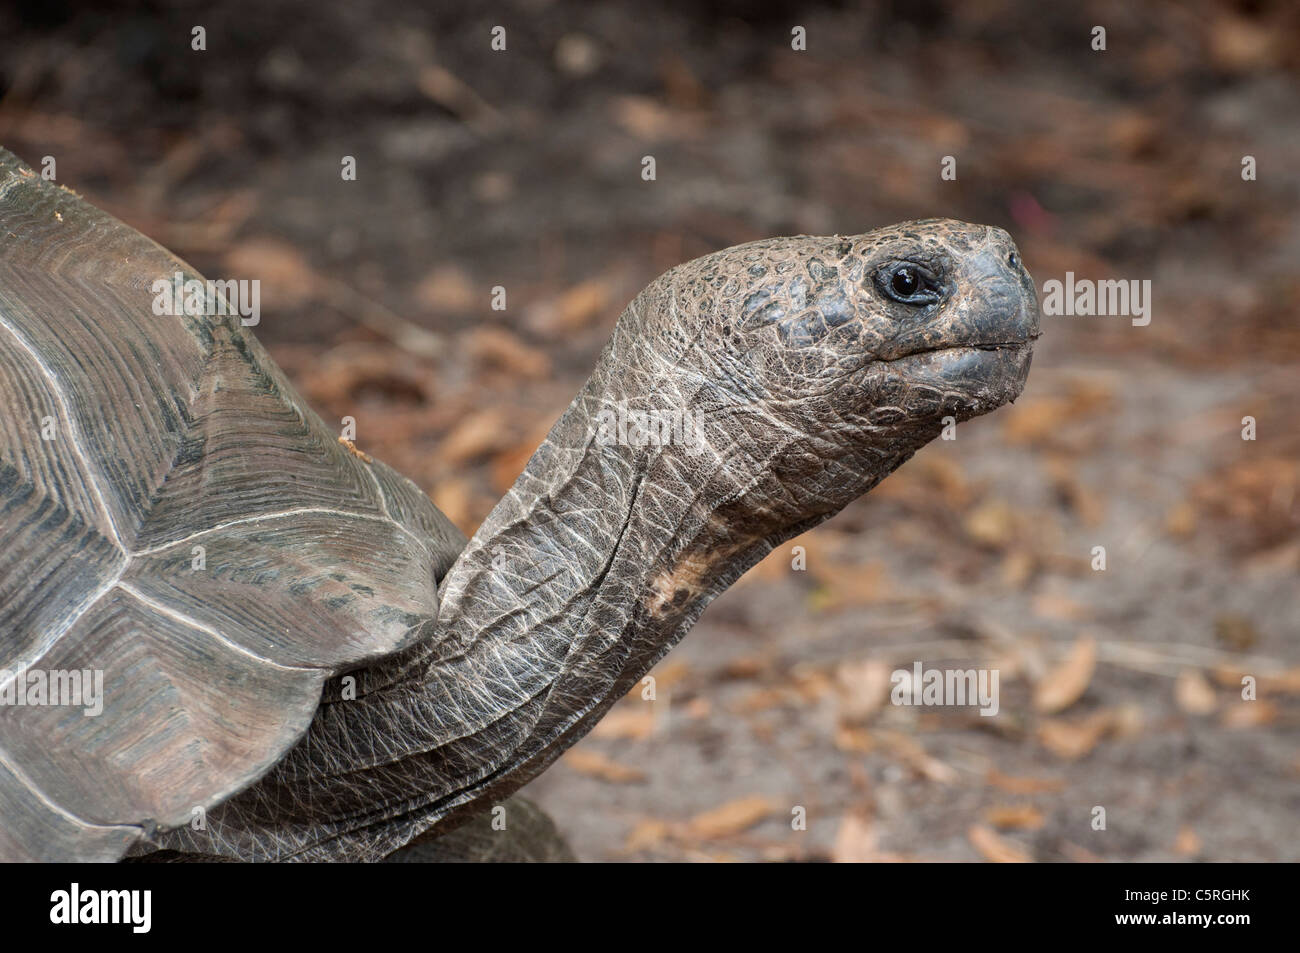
(176, 521)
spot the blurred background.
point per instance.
(1120, 689)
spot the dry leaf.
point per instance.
(1193, 693)
(991, 524)
(1274, 561)
(1017, 566)
(1250, 714)
(648, 833)
(453, 496)
(1239, 45)
(1180, 520)
(497, 348)
(351, 372)
(745, 667)
(812, 685)
(698, 708)
(476, 436)
(574, 310)
(1133, 133)
(646, 118)
(1024, 817)
(577, 54)
(1187, 843)
(596, 765)
(1080, 855)
(858, 740)
(855, 841)
(447, 289)
(1051, 605)
(1074, 739)
(729, 819)
(995, 848)
(1126, 720)
(1255, 493)
(761, 699)
(450, 92)
(1014, 785)
(861, 688)
(910, 751)
(1064, 685)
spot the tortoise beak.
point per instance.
(1010, 316)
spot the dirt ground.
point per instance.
(771, 734)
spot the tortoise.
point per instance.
(301, 657)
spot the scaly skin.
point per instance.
(812, 383)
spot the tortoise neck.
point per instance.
(590, 567)
(594, 564)
(597, 561)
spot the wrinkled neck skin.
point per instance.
(597, 561)
(603, 555)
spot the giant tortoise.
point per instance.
(301, 657)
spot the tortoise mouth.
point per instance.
(999, 345)
(1012, 330)
(1023, 344)
(985, 374)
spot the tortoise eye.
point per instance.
(907, 283)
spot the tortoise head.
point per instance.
(829, 360)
